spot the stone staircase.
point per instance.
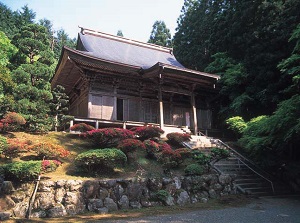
(249, 179)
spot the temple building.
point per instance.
(115, 81)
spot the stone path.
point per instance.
(262, 210)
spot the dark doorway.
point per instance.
(120, 108)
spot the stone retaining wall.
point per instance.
(71, 197)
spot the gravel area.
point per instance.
(261, 210)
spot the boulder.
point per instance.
(123, 202)
(20, 209)
(212, 193)
(18, 196)
(44, 200)
(46, 186)
(4, 215)
(74, 185)
(110, 204)
(90, 189)
(59, 194)
(38, 214)
(7, 187)
(135, 205)
(224, 179)
(103, 193)
(94, 204)
(183, 198)
(169, 201)
(154, 184)
(134, 191)
(57, 211)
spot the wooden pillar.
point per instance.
(115, 104)
(194, 113)
(97, 124)
(161, 108)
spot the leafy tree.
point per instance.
(120, 33)
(59, 105)
(160, 34)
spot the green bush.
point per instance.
(3, 144)
(201, 158)
(194, 169)
(107, 137)
(100, 159)
(22, 171)
(162, 195)
(236, 124)
(147, 132)
(218, 153)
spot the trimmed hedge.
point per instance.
(22, 171)
(130, 145)
(100, 158)
(176, 138)
(194, 169)
(82, 127)
(147, 132)
(3, 144)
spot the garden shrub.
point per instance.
(176, 138)
(49, 151)
(152, 148)
(100, 159)
(184, 152)
(170, 159)
(3, 144)
(201, 158)
(82, 127)
(50, 165)
(107, 137)
(20, 171)
(194, 169)
(12, 121)
(147, 132)
(162, 195)
(14, 148)
(218, 153)
(236, 124)
(130, 145)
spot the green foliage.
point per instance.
(120, 33)
(201, 158)
(194, 169)
(176, 138)
(160, 34)
(100, 159)
(107, 137)
(15, 148)
(82, 127)
(3, 144)
(147, 132)
(236, 124)
(162, 195)
(22, 171)
(218, 153)
(7, 50)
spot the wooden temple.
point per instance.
(113, 80)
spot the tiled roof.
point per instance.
(125, 51)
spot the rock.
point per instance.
(18, 196)
(204, 194)
(38, 214)
(57, 211)
(177, 183)
(135, 205)
(90, 189)
(7, 187)
(44, 200)
(118, 191)
(103, 193)
(74, 185)
(110, 204)
(154, 184)
(60, 183)
(10, 203)
(134, 191)
(146, 203)
(217, 187)
(123, 202)
(111, 183)
(171, 188)
(194, 199)
(103, 210)
(204, 200)
(124, 183)
(225, 179)
(20, 209)
(72, 198)
(59, 194)
(94, 204)
(183, 198)
(4, 215)
(212, 193)
(46, 186)
(169, 201)
(166, 181)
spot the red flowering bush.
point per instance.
(130, 145)
(107, 137)
(176, 138)
(14, 148)
(147, 132)
(50, 151)
(184, 152)
(82, 127)
(170, 158)
(152, 148)
(12, 121)
(50, 165)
